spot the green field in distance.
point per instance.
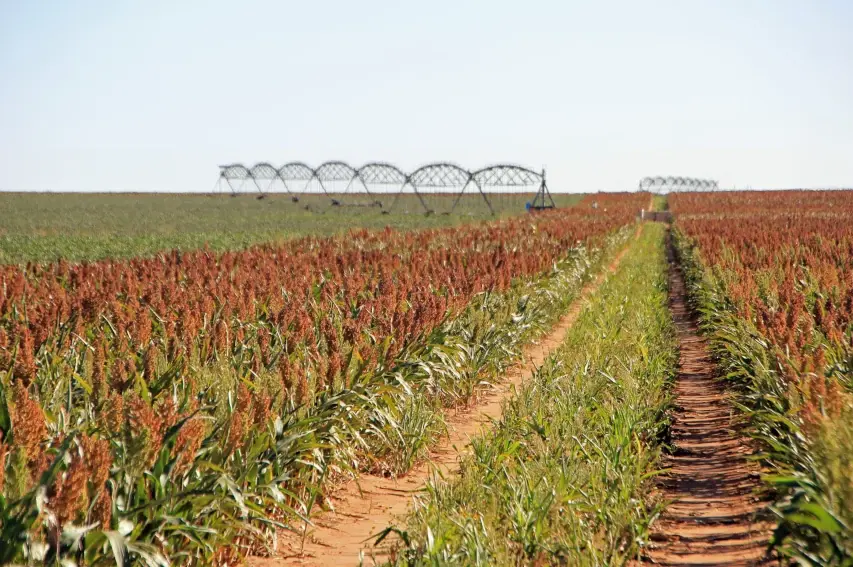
(43, 227)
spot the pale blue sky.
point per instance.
(119, 95)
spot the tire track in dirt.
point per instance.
(714, 514)
(366, 507)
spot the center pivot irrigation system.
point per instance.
(676, 184)
(436, 188)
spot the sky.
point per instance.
(153, 96)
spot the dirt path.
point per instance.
(712, 517)
(339, 537)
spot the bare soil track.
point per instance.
(714, 515)
(365, 508)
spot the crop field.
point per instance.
(199, 380)
(184, 407)
(79, 226)
(563, 478)
(772, 273)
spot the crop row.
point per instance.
(771, 273)
(564, 477)
(186, 405)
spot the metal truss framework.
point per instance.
(378, 180)
(677, 184)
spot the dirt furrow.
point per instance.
(714, 514)
(363, 509)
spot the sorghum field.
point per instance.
(564, 476)
(183, 407)
(772, 275)
(175, 392)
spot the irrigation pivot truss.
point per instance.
(435, 188)
(676, 184)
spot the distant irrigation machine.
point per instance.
(436, 188)
(676, 184)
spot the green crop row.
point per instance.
(565, 475)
